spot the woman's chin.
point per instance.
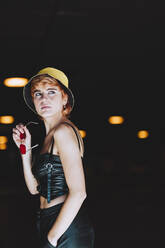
(47, 114)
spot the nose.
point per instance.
(44, 97)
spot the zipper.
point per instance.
(49, 168)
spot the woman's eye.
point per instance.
(51, 92)
(37, 94)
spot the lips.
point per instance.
(45, 107)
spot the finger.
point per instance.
(26, 130)
(20, 125)
(16, 131)
(16, 136)
(20, 128)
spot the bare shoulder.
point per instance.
(64, 134)
(62, 129)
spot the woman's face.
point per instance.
(48, 99)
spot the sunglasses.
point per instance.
(22, 147)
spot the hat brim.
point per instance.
(28, 98)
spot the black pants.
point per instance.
(80, 234)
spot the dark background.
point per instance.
(113, 54)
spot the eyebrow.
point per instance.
(46, 89)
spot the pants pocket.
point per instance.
(48, 244)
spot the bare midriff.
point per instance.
(45, 204)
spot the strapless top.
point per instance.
(48, 171)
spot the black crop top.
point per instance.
(48, 171)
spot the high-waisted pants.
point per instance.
(80, 233)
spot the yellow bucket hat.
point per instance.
(54, 73)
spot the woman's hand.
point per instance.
(20, 128)
(52, 240)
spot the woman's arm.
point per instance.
(67, 145)
(30, 180)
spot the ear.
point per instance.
(65, 99)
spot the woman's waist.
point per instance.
(45, 205)
(53, 208)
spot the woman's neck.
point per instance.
(52, 122)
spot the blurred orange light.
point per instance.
(116, 119)
(83, 133)
(3, 146)
(3, 139)
(15, 82)
(7, 119)
(143, 134)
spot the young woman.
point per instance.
(57, 173)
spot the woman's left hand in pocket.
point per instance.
(52, 240)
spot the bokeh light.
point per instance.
(3, 139)
(6, 119)
(142, 134)
(116, 120)
(83, 133)
(15, 82)
(3, 146)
